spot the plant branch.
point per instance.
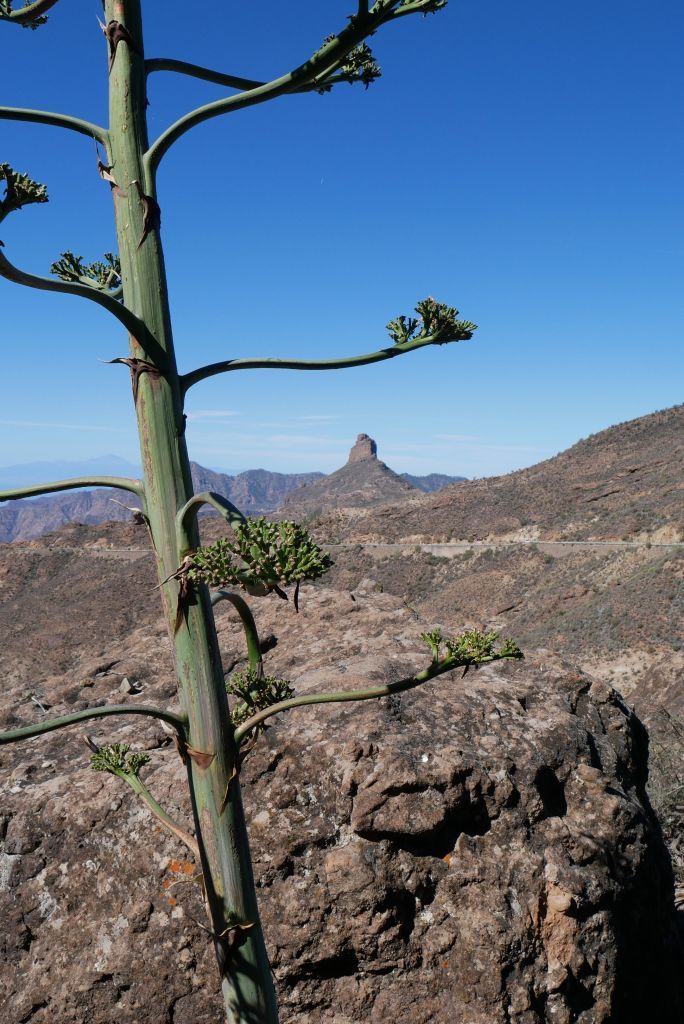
(203, 372)
(139, 787)
(187, 515)
(30, 12)
(418, 7)
(234, 81)
(121, 483)
(182, 67)
(322, 62)
(74, 124)
(30, 16)
(248, 623)
(179, 722)
(437, 668)
(133, 324)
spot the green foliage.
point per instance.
(434, 640)
(358, 66)
(116, 760)
(270, 553)
(20, 190)
(509, 649)
(255, 693)
(422, 6)
(6, 14)
(103, 275)
(471, 647)
(435, 320)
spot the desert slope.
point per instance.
(624, 482)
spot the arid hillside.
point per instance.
(489, 838)
(625, 482)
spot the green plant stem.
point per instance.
(48, 284)
(186, 518)
(220, 829)
(179, 722)
(415, 8)
(182, 67)
(119, 482)
(248, 623)
(25, 15)
(228, 365)
(138, 787)
(328, 57)
(74, 124)
(341, 696)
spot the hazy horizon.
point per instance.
(111, 459)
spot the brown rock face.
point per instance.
(476, 851)
(364, 448)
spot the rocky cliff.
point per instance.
(479, 850)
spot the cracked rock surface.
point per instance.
(477, 851)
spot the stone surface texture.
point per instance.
(364, 448)
(476, 851)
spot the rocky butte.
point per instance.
(364, 481)
(364, 448)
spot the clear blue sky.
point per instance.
(521, 161)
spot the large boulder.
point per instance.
(477, 851)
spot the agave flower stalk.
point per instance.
(263, 557)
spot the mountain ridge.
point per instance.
(624, 481)
(254, 491)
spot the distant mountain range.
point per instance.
(255, 492)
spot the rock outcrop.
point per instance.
(363, 449)
(478, 851)
(364, 481)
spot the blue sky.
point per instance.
(519, 161)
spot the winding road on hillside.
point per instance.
(445, 550)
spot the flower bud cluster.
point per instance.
(435, 320)
(102, 275)
(116, 760)
(255, 693)
(271, 553)
(360, 66)
(471, 647)
(20, 190)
